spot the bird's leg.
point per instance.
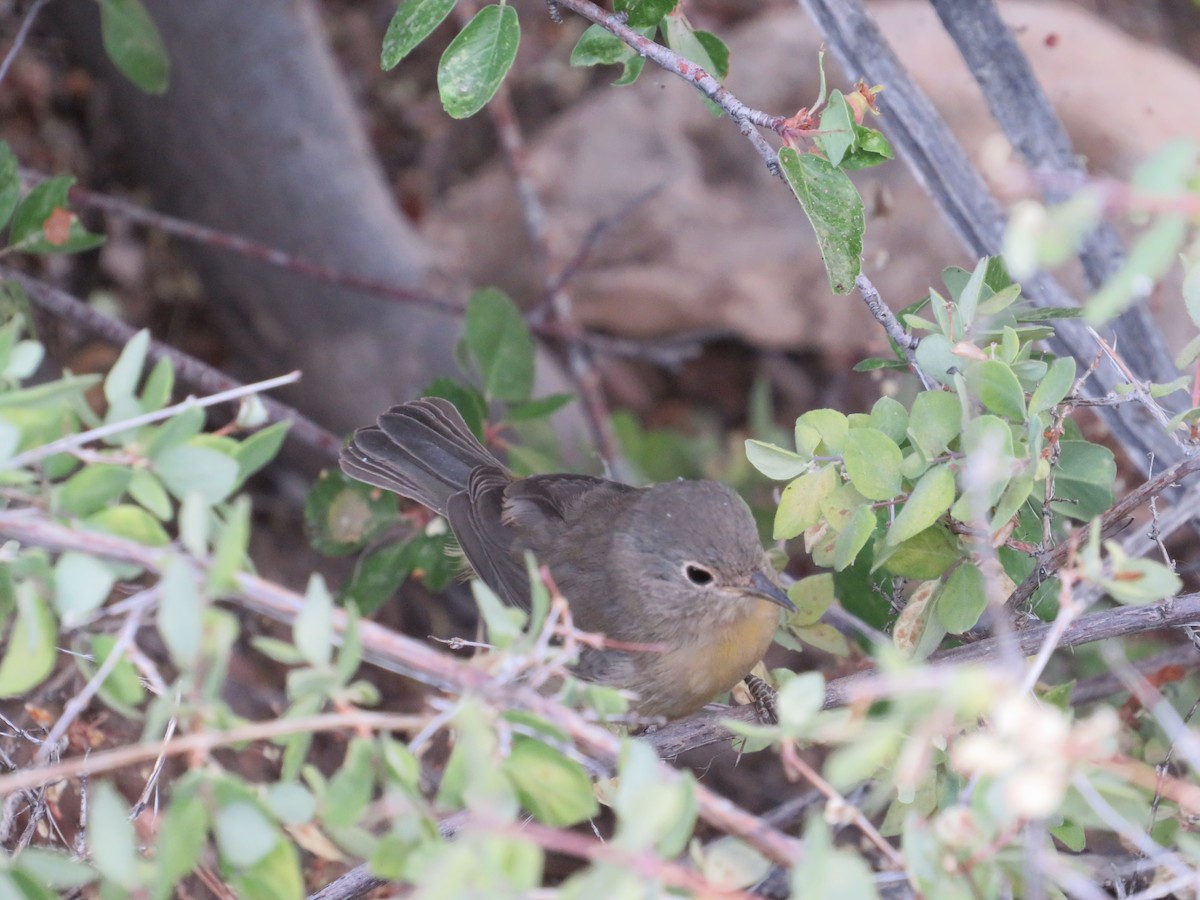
(764, 699)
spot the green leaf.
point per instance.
(92, 488)
(871, 149)
(376, 577)
(644, 13)
(53, 871)
(539, 408)
(716, 51)
(350, 789)
(122, 689)
(1054, 387)
(873, 463)
(651, 810)
(120, 385)
(826, 871)
(276, 876)
(477, 60)
(292, 804)
(923, 556)
(1137, 581)
(853, 537)
(149, 493)
(177, 430)
(935, 357)
(821, 428)
(10, 183)
(232, 543)
(134, 45)
(890, 417)
(131, 522)
(156, 393)
(30, 652)
(414, 21)
(504, 623)
(191, 468)
(834, 208)
(1083, 481)
(341, 515)
(180, 840)
(836, 132)
(994, 383)
(556, 790)
(969, 297)
(81, 584)
(244, 835)
(313, 628)
(38, 206)
(687, 43)
(813, 596)
(775, 462)
(962, 599)
(1148, 260)
(800, 503)
(181, 613)
(258, 449)
(500, 344)
(598, 46)
(929, 500)
(799, 701)
(112, 844)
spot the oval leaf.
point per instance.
(477, 60)
(929, 499)
(962, 599)
(29, 656)
(775, 462)
(834, 208)
(1054, 387)
(187, 468)
(997, 387)
(414, 21)
(873, 463)
(133, 44)
(800, 504)
(556, 790)
(500, 344)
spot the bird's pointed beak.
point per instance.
(764, 587)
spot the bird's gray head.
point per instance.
(696, 546)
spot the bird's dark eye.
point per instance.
(698, 575)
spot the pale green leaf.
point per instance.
(873, 463)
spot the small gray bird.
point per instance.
(678, 565)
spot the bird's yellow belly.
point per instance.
(695, 673)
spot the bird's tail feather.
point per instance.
(422, 450)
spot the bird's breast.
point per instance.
(694, 673)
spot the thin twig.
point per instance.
(1051, 561)
(74, 441)
(22, 34)
(794, 762)
(891, 325)
(120, 757)
(580, 846)
(201, 376)
(746, 118)
(579, 359)
(302, 266)
(79, 702)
